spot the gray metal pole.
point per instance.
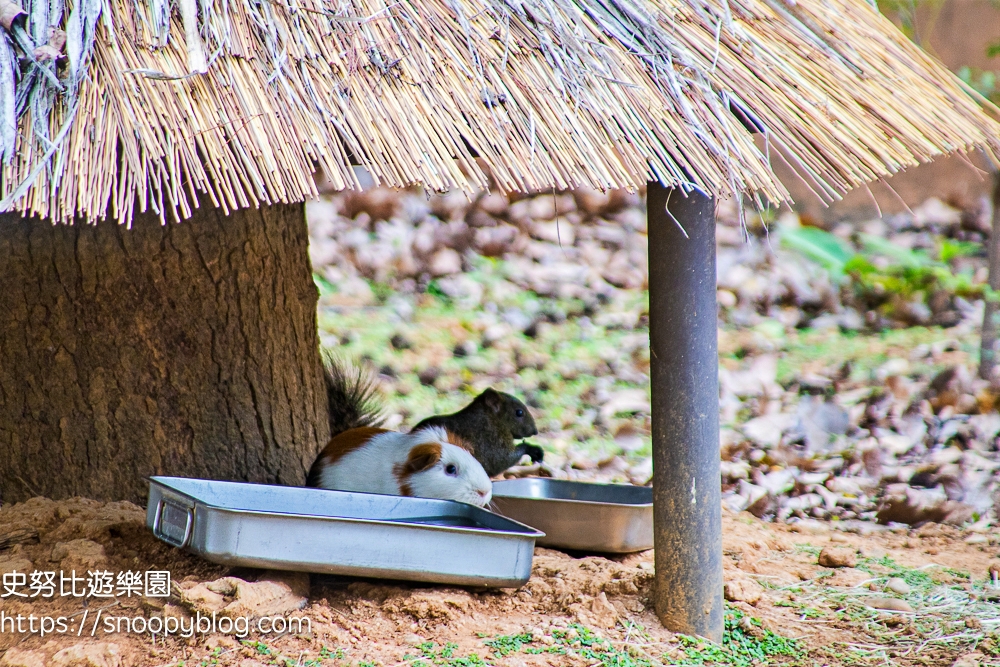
(684, 363)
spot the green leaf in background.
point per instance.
(434, 289)
(876, 245)
(883, 271)
(820, 246)
(325, 286)
(951, 249)
(983, 82)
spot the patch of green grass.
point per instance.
(331, 654)
(324, 655)
(991, 646)
(596, 649)
(811, 612)
(556, 650)
(886, 568)
(431, 654)
(744, 643)
(504, 645)
(864, 352)
(575, 640)
(275, 656)
(960, 574)
(435, 290)
(260, 647)
(382, 291)
(804, 610)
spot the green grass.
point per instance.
(864, 352)
(804, 611)
(595, 649)
(943, 599)
(575, 640)
(886, 568)
(744, 643)
(432, 654)
(504, 645)
(275, 657)
(328, 654)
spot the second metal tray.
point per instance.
(340, 532)
(608, 518)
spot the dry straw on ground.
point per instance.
(245, 99)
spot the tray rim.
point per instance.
(527, 532)
(574, 501)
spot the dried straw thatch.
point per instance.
(149, 102)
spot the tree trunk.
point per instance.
(188, 349)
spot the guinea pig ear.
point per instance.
(422, 457)
(493, 400)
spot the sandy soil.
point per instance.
(771, 572)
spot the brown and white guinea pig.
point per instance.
(424, 464)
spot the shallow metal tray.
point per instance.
(340, 532)
(609, 518)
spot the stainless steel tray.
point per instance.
(609, 518)
(340, 532)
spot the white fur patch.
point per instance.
(370, 468)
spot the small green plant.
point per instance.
(807, 549)
(504, 645)
(434, 289)
(445, 656)
(884, 276)
(331, 654)
(886, 568)
(991, 646)
(804, 611)
(595, 649)
(381, 291)
(260, 647)
(983, 82)
(575, 640)
(744, 643)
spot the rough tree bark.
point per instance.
(187, 349)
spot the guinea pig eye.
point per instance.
(450, 469)
(519, 412)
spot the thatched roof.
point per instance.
(245, 99)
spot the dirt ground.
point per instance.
(575, 610)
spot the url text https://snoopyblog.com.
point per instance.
(106, 586)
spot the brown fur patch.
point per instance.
(459, 441)
(421, 457)
(339, 446)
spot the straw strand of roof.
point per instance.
(550, 93)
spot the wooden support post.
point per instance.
(684, 362)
